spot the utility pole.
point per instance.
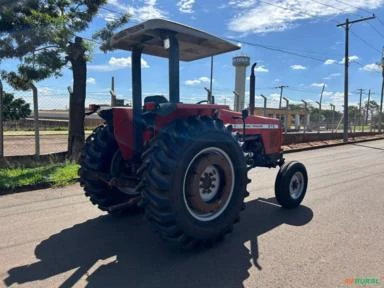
(265, 104)
(382, 92)
(305, 114)
(361, 95)
(346, 25)
(286, 115)
(281, 93)
(368, 106)
(333, 115)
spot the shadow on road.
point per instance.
(139, 259)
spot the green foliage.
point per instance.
(324, 115)
(39, 32)
(14, 109)
(296, 107)
(106, 33)
(372, 105)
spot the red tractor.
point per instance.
(185, 164)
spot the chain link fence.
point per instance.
(20, 137)
(48, 132)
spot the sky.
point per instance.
(295, 43)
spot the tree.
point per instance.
(14, 109)
(42, 34)
(371, 108)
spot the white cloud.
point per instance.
(330, 62)
(261, 69)
(107, 16)
(186, 6)
(262, 17)
(318, 85)
(353, 58)
(336, 98)
(242, 3)
(201, 80)
(371, 68)
(140, 13)
(91, 80)
(333, 75)
(116, 64)
(45, 91)
(298, 67)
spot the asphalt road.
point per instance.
(55, 238)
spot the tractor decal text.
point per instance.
(255, 126)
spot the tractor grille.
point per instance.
(275, 139)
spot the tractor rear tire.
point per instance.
(96, 156)
(195, 178)
(291, 184)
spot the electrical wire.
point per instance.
(364, 41)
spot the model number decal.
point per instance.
(255, 126)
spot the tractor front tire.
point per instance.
(96, 157)
(194, 177)
(291, 184)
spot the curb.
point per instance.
(294, 150)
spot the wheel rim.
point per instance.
(208, 184)
(296, 185)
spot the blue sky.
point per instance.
(304, 27)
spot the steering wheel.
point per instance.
(202, 101)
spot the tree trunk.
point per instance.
(76, 56)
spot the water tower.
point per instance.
(241, 63)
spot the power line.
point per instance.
(381, 22)
(365, 42)
(277, 50)
(353, 6)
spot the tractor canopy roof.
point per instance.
(150, 35)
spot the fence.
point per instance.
(46, 133)
(21, 138)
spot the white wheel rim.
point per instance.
(296, 185)
(214, 191)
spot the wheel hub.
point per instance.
(296, 186)
(208, 184)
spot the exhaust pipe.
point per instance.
(252, 85)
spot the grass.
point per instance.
(50, 175)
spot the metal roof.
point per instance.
(193, 44)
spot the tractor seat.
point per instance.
(158, 99)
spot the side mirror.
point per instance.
(244, 114)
